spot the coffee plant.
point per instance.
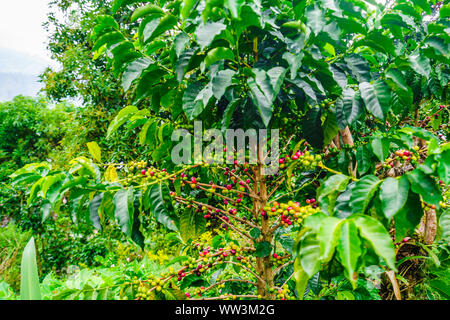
(359, 93)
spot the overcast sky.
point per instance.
(21, 26)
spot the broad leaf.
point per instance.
(393, 195)
(29, 277)
(363, 192)
(373, 231)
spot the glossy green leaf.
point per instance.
(146, 10)
(363, 192)
(161, 206)
(157, 27)
(420, 64)
(95, 151)
(380, 147)
(29, 277)
(123, 115)
(393, 195)
(193, 106)
(206, 33)
(263, 249)
(218, 54)
(373, 231)
(444, 224)
(328, 236)
(133, 71)
(192, 225)
(376, 97)
(408, 217)
(312, 128)
(349, 249)
(221, 81)
(124, 209)
(425, 186)
(309, 254)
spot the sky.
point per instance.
(21, 26)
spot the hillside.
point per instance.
(19, 74)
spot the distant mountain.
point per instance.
(19, 74)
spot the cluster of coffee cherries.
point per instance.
(196, 292)
(406, 155)
(282, 293)
(306, 160)
(136, 165)
(145, 288)
(279, 260)
(207, 257)
(402, 155)
(291, 212)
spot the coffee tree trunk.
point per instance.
(263, 265)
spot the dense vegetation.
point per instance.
(357, 210)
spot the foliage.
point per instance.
(342, 206)
(12, 243)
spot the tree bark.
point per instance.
(263, 265)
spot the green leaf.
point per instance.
(373, 231)
(349, 250)
(133, 71)
(263, 249)
(180, 43)
(161, 206)
(146, 10)
(94, 205)
(108, 39)
(443, 166)
(255, 233)
(29, 277)
(352, 105)
(294, 61)
(425, 186)
(359, 67)
(395, 79)
(420, 64)
(363, 192)
(221, 81)
(424, 4)
(192, 225)
(329, 191)
(379, 42)
(191, 105)
(380, 147)
(206, 33)
(328, 237)
(158, 26)
(123, 115)
(187, 7)
(218, 54)
(312, 128)
(330, 128)
(444, 224)
(301, 278)
(393, 195)
(407, 219)
(183, 63)
(124, 209)
(95, 151)
(315, 19)
(309, 254)
(363, 159)
(235, 7)
(376, 97)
